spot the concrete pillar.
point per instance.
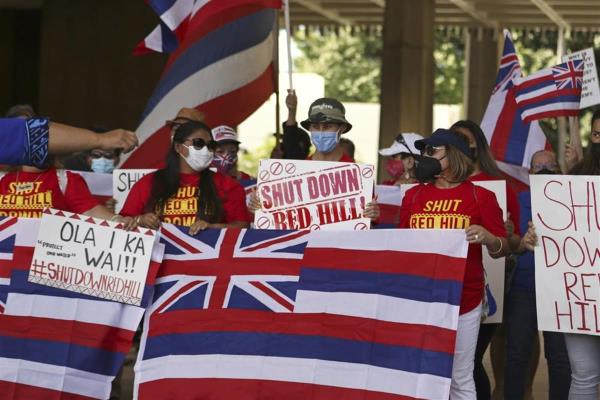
(407, 70)
(88, 76)
(481, 68)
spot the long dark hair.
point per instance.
(166, 181)
(484, 155)
(589, 165)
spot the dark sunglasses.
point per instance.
(199, 143)
(100, 154)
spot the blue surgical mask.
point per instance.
(325, 141)
(103, 165)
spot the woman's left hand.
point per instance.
(198, 226)
(372, 210)
(479, 235)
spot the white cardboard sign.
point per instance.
(567, 259)
(91, 256)
(313, 195)
(123, 181)
(590, 92)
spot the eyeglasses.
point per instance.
(595, 134)
(431, 150)
(199, 143)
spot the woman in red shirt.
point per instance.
(446, 199)
(186, 192)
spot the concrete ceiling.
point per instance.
(578, 15)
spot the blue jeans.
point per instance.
(521, 327)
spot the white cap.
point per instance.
(397, 147)
(224, 133)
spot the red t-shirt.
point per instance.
(26, 194)
(512, 201)
(345, 158)
(429, 207)
(182, 208)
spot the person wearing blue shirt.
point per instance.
(521, 315)
(30, 141)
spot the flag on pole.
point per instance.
(512, 141)
(550, 92)
(223, 66)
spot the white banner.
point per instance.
(590, 92)
(313, 195)
(567, 260)
(91, 256)
(123, 181)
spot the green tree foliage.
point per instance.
(449, 66)
(349, 61)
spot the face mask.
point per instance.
(103, 165)
(224, 163)
(198, 160)
(596, 150)
(394, 167)
(325, 141)
(426, 168)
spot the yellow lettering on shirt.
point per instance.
(181, 209)
(440, 214)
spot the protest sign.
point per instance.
(90, 256)
(495, 268)
(590, 92)
(567, 258)
(123, 181)
(313, 195)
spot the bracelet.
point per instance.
(499, 249)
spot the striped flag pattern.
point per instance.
(56, 344)
(305, 315)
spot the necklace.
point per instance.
(25, 187)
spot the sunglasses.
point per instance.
(100, 154)
(595, 134)
(199, 143)
(431, 150)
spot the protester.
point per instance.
(590, 164)
(29, 142)
(401, 161)
(184, 115)
(295, 143)
(226, 153)
(446, 190)
(584, 350)
(186, 192)
(27, 191)
(521, 316)
(485, 169)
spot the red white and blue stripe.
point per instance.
(374, 316)
(56, 344)
(222, 66)
(551, 92)
(512, 140)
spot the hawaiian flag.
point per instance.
(57, 344)
(512, 140)
(223, 65)
(303, 315)
(551, 92)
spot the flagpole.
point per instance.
(276, 85)
(288, 33)
(562, 121)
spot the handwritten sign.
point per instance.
(313, 195)
(567, 259)
(590, 91)
(93, 257)
(123, 181)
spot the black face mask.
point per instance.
(426, 168)
(595, 149)
(546, 172)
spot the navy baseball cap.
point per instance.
(444, 137)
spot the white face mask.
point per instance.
(198, 160)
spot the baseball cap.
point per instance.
(444, 137)
(326, 110)
(224, 134)
(398, 147)
(185, 115)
